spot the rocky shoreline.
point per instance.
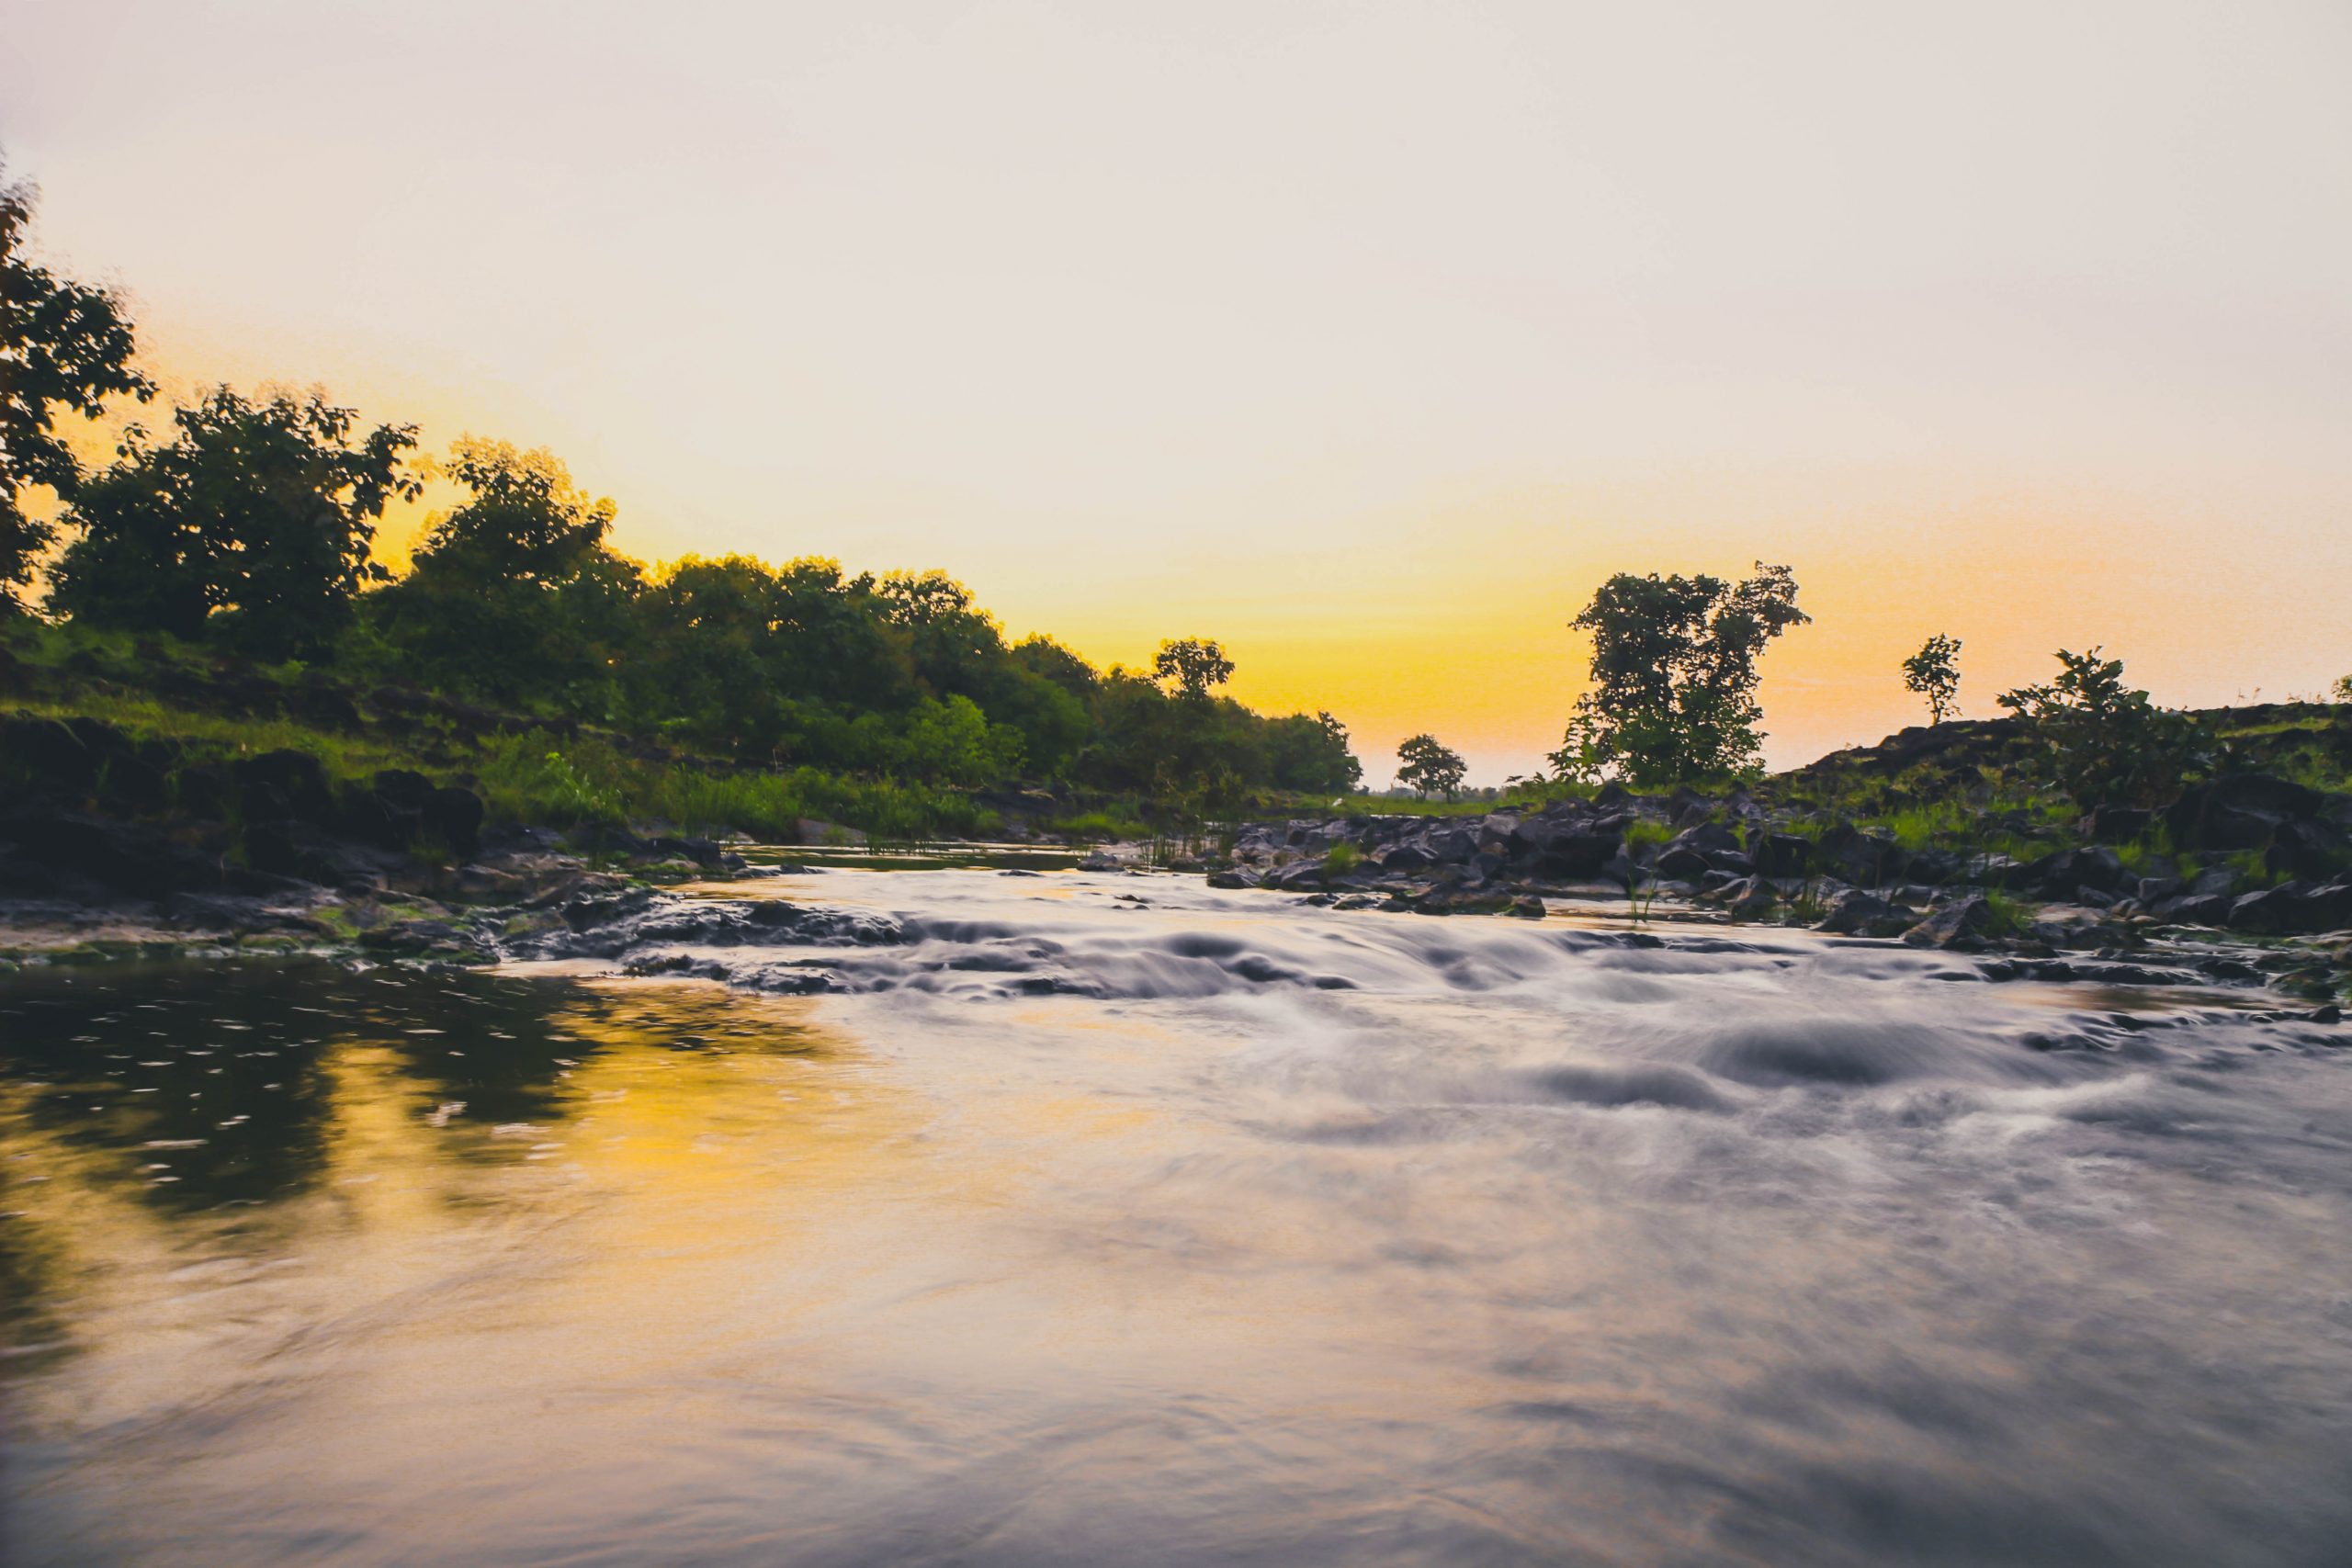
(2078, 911)
(107, 852)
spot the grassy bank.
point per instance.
(529, 768)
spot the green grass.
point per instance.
(1098, 827)
(2008, 915)
(1642, 833)
(1342, 858)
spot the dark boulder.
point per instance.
(1959, 925)
(128, 857)
(1932, 868)
(2294, 909)
(1856, 913)
(49, 753)
(454, 817)
(1867, 860)
(1580, 854)
(2195, 909)
(2239, 812)
(134, 785)
(1681, 863)
(283, 786)
(2115, 824)
(204, 791)
(1780, 855)
(2069, 873)
(2307, 848)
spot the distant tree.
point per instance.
(64, 346)
(2343, 692)
(2103, 743)
(1674, 675)
(1934, 673)
(1308, 753)
(251, 528)
(1429, 768)
(1194, 665)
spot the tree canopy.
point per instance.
(1674, 675)
(1934, 673)
(1429, 767)
(254, 526)
(64, 347)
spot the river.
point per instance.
(1102, 1219)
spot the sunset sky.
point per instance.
(1365, 338)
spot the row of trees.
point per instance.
(249, 525)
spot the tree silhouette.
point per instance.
(1430, 767)
(1674, 675)
(1934, 673)
(64, 346)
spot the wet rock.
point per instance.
(1959, 925)
(1858, 913)
(2293, 909)
(419, 939)
(1235, 877)
(1750, 897)
(454, 817)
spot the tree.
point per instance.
(1674, 675)
(1934, 673)
(1308, 753)
(2343, 693)
(253, 527)
(513, 595)
(63, 345)
(526, 522)
(1429, 768)
(1194, 665)
(2107, 745)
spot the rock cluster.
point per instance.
(1736, 854)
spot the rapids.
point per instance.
(968, 1217)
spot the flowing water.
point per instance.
(1110, 1220)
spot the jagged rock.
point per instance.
(1959, 925)
(2239, 812)
(2293, 909)
(1234, 877)
(1749, 898)
(1780, 855)
(1856, 913)
(2068, 873)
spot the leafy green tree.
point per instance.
(2104, 743)
(253, 527)
(1429, 768)
(64, 347)
(1934, 673)
(2343, 692)
(1674, 675)
(513, 596)
(1196, 667)
(526, 522)
(1308, 753)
